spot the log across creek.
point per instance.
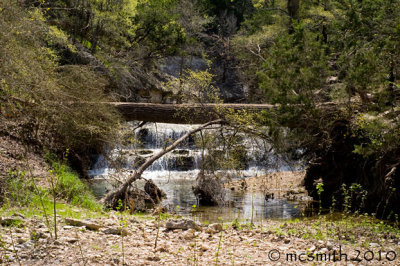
(180, 113)
(188, 113)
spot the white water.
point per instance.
(176, 178)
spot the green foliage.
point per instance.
(378, 135)
(295, 68)
(69, 187)
(19, 190)
(39, 98)
(320, 189)
(340, 228)
(352, 41)
(194, 87)
(157, 27)
(23, 191)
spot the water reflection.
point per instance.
(175, 173)
(248, 207)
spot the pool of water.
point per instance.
(175, 174)
(247, 206)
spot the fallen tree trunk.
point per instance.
(192, 113)
(180, 113)
(112, 199)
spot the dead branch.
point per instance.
(112, 198)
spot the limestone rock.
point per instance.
(329, 245)
(183, 224)
(7, 221)
(374, 245)
(88, 224)
(324, 251)
(115, 231)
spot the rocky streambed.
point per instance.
(115, 240)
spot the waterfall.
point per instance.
(151, 138)
(176, 171)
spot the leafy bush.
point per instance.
(21, 190)
(71, 188)
(41, 101)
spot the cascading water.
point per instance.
(175, 173)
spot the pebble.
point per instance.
(216, 227)
(153, 258)
(70, 240)
(374, 245)
(67, 227)
(204, 248)
(321, 244)
(189, 234)
(312, 248)
(324, 251)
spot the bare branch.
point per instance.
(112, 198)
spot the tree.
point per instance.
(340, 51)
(121, 193)
(37, 94)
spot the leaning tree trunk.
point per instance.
(112, 198)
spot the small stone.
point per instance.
(204, 248)
(286, 241)
(321, 244)
(324, 251)
(210, 231)
(373, 245)
(329, 245)
(67, 227)
(312, 249)
(115, 231)
(89, 225)
(180, 224)
(216, 227)
(70, 240)
(153, 258)
(332, 79)
(162, 249)
(20, 240)
(189, 234)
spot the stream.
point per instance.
(175, 174)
